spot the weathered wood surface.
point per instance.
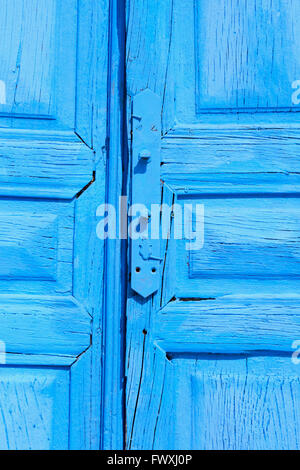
(49, 326)
(217, 374)
(34, 404)
(229, 325)
(54, 63)
(233, 69)
(232, 150)
(39, 63)
(48, 165)
(228, 403)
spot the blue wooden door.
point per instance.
(53, 98)
(209, 355)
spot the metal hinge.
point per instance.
(146, 147)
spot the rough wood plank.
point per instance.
(149, 38)
(235, 68)
(236, 403)
(82, 414)
(43, 165)
(92, 76)
(259, 239)
(36, 246)
(86, 413)
(39, 63)
(39, 325)
(232, 151)
(28, 53)
(168, 249)
(229, 325)
(188, 384)
(34, 412)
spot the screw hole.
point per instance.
(138, 270)
(153, 270)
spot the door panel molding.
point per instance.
(56, 328)
(239, 325)
(44, 166)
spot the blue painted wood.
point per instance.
(39, 62)
(234, 71)
(53, 114)
(34, 405)
(209, 356)
(43, 164)
(229, 325)
(54, 326)
(145, 252)
(236, 398)
(115, 250)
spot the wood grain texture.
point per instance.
(236, 403)
(148, 403)
(44, 165)
(50, 326)
(34, 409)
(92, 74)
(167, 249)
(235, 325)
(83, 426)
(28, 52)
(87, 374)
(235, 62)
(39, 62)
(148, 62)
(217, 374)
(232, 150)
(149, 40)
(145, 371)
(52, 178)
(259, 239)
(36, 246)
(246, 54)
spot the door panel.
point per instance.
(245, 54)
(39, 61)
(225, 402)
(235, 57)
(229, 403)
(209, 356)
(35, 400)
(28, 52)
(36, 245)
(50, 257)
(263, 251)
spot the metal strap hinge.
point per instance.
(146, 150)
